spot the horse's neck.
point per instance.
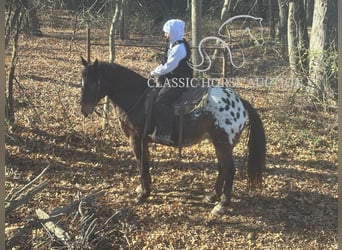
(126, 92)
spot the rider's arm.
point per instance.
(176, 54)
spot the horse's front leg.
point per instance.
(141, 153)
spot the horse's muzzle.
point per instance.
(86, 109)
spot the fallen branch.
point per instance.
(48, 221)
(17, 199)
(14, 204)
(70, 208)
(59, 232)
(31, 182)
(22, 233)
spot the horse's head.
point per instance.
(92, 92)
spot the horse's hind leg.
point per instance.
(224, 183)
(216, 195)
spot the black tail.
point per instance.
(256, 147)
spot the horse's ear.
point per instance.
(84, 61)
(96, 64)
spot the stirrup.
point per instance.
(153, 135)
(160, 138)
(164, 139)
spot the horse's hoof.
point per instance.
(210, 198)
(140, 199)
(139, 189)
(218, 210)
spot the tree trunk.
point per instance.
(332, 23)
(123, 32)
(227, 10)
(320, 65)
(196, 30)
(12, 14)
(14, 32)
(260, 9)
(226, 13)
(298, 39)
(31, 22)
(112, 32)
(317, 47)
(292, 38)
(303, 37)
(271, 18)
(282, 32)
(309, 7)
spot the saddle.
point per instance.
(192, 100)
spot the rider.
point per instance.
(173, 68)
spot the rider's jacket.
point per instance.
(177, 54)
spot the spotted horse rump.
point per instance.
(228, 111)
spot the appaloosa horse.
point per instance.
(222, 120)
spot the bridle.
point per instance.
(129, 110)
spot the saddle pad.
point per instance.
(190, 100)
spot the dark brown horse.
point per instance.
(222, 120)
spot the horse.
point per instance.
(224, 117)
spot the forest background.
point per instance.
(55, 158)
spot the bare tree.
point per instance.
(112, 31)
(15, 14)
(260, 8)
(123, 31)
(271, 18)
(196, 30)
(322, 66)
(227, 10)
(309, 7)
(297, 38)
(292, 38)
(113, 28)
(282, 31)
(226, 13)
(31, 21)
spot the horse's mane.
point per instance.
(122, 73)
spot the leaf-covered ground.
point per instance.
(296, 209)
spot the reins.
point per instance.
(128, 111)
